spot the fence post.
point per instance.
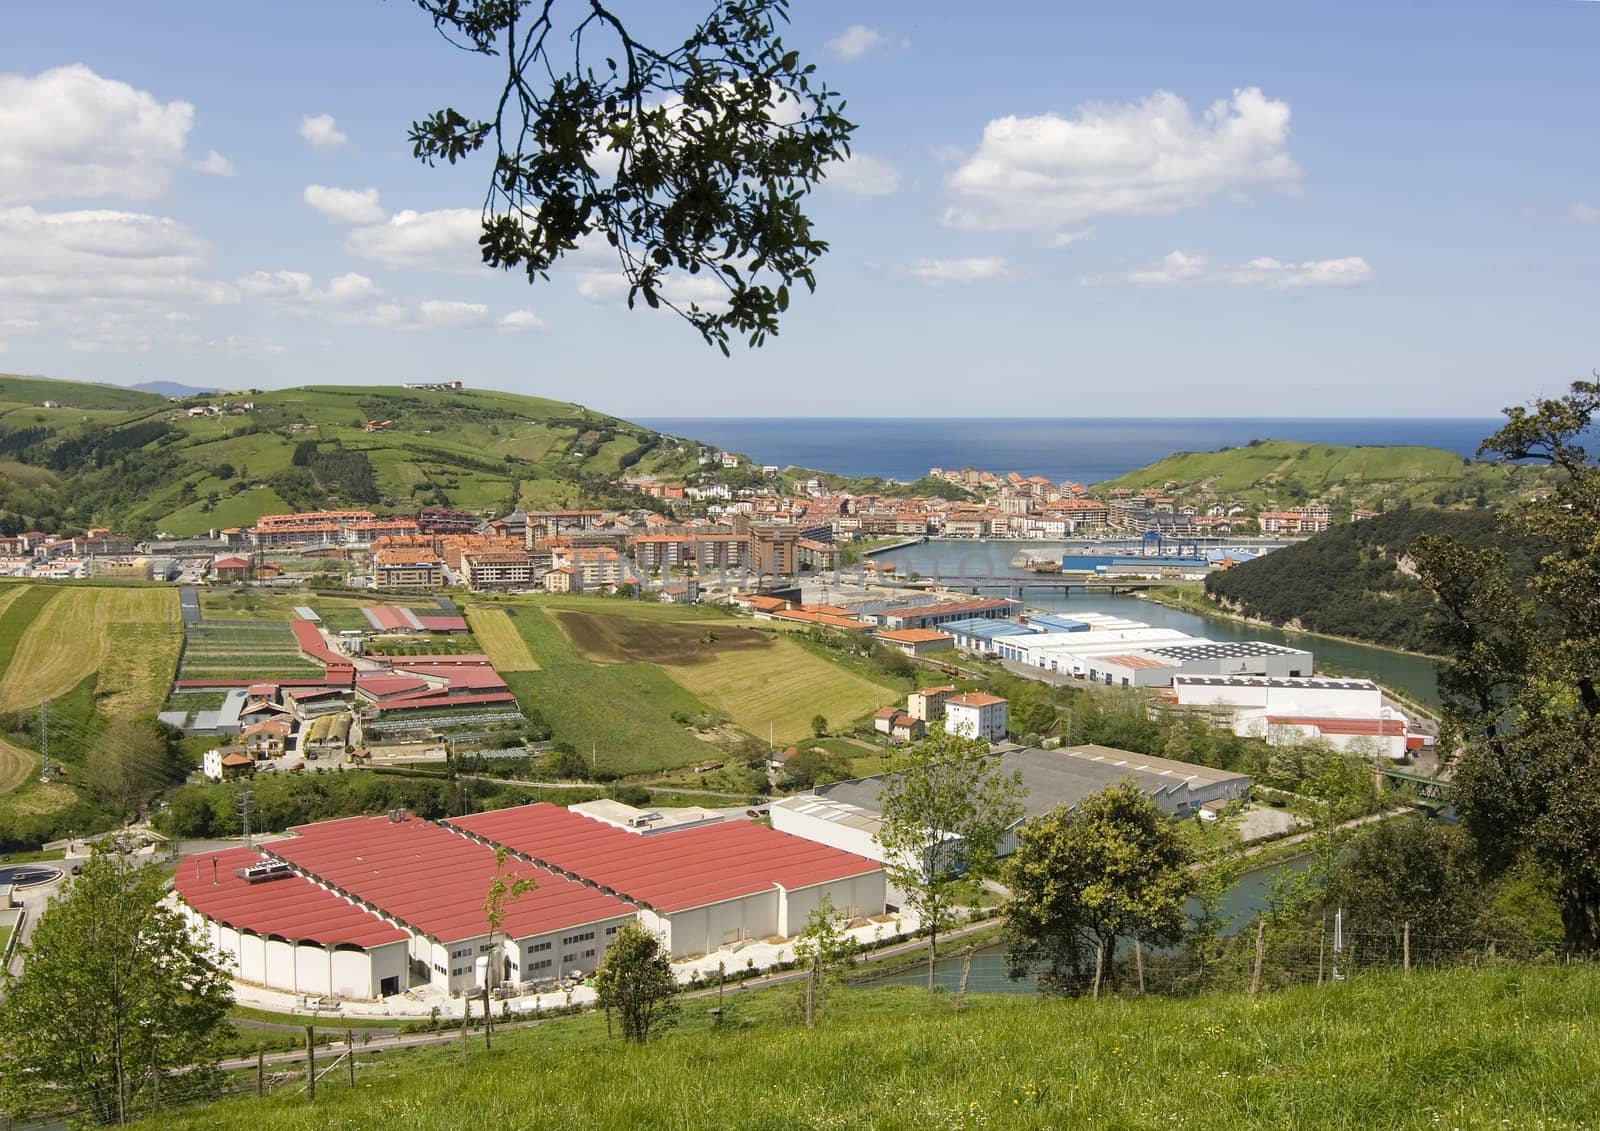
(488, 1019)
(1099, 963)
(1322, 943)
(261, 1069)
(311, 1063)
(1261, 953)
(1138, 963)
(466, 1014)
(155, 1082)
(350, 1053)
(811, 993)
(1405, 948)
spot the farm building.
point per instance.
(701, 887)
(913, 641)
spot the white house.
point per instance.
(975, 715)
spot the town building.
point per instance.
(407, 569)
(497, 570)
(976, 715)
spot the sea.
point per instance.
(1082, 450)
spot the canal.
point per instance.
(1242, 902)
(1414, 676)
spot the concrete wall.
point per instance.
(701, 930)
(852, 898)
(815, 828)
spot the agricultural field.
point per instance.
(767, 685)
(506, 649)
(22, 605)
(141, 661)
(264, 649)
(72, 637)
(620, 713)
(278, 605)
(16, 766)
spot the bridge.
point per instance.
(1092, 583)
(1427, 789)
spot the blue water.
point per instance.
(1082, 450)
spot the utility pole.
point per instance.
(247, 806)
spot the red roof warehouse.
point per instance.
(289, 905)
(702, 886)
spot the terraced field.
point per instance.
(72, 636)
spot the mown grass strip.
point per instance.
(19, 613)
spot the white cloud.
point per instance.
(602, 285)
(275, 284)
(1179, 268)
(215, 164)
(320, 131)
(229, 343)
(351, 288)
(438, 314)
(346, 207)
(947, 272)
(1067, 239)
(1584, 213)
(1152, 157)
(862, 174)
(854, 42)
(446, 240)
(101, 254)
(519, 322)
(71, 133)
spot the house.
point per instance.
(562, 579)
(928, 703)
(267, 738)
(226, 763)
(231, 568)
(976, 715)
(497, 569)
(898, 726)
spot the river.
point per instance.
(1412, 675)
(1242, 902)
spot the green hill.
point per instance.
(1281, 473)
(142, 463)
(1353, 580)
(1506, 1047)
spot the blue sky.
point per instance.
(1228, 209)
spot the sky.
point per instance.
(1056, 209)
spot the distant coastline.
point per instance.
(1080, 450)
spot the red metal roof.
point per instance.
(381, 686)
(434, 879)
(312, 643)
(440, 699)
(1385, 727)
(443, 624)
(670, 871)
(294, 908)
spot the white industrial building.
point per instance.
(1342, 712)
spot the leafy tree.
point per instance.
(819, 725)
(1081, 879)
(114, 996)
(810, 768)
(821, 949)
(690, 159)
(636, 980)
(503, 889)
(1407, 871)
(944, 816)
(1521, 689)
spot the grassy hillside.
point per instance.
(139, 462)
(1353, 580)
(1503, 1048)
(1285, 472)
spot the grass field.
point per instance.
(266, 649)
(621, 713)
(506, 650)
(139, 668)
(16, 766)
(1513, 1047)
(765, 684)
(19, 613)
(71, 638)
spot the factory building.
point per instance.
(701, 887)
(847, 815)
(1343, 712)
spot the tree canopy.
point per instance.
(635, 979)
(1520, 687)
(114, 995)
(1081, 879)
(690, 161)
(944, 817)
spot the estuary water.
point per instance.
(1416, 676)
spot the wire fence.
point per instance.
(1256, 961)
